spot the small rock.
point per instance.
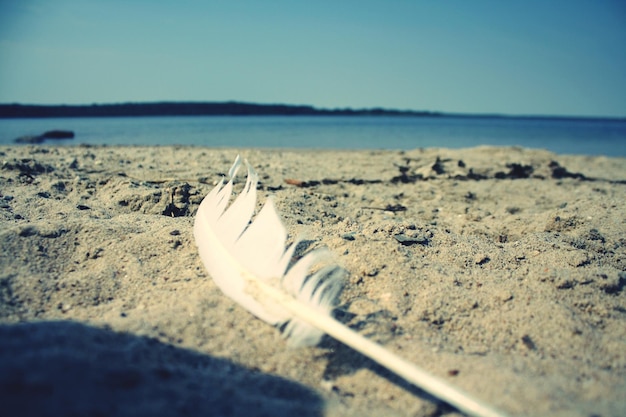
(481, 259)
(348, 236)
(58, 134)
(416, 238)
(528, 342)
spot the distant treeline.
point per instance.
(230, 108)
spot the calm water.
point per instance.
(569, 136)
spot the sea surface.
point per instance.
(560, 135)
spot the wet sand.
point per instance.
(501, 270)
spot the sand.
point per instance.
(500, 270)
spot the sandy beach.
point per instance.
(500, 270)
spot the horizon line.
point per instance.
(322, 111)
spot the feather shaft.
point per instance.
(401, 367)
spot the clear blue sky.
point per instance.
(557, 57)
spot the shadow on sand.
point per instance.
(62, 368)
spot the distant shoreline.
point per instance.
(231, 108)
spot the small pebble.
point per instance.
(528, 342)
(481, 259)
(348, 236)
(411, 240)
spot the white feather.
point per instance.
(250, 264)
(237, 252)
